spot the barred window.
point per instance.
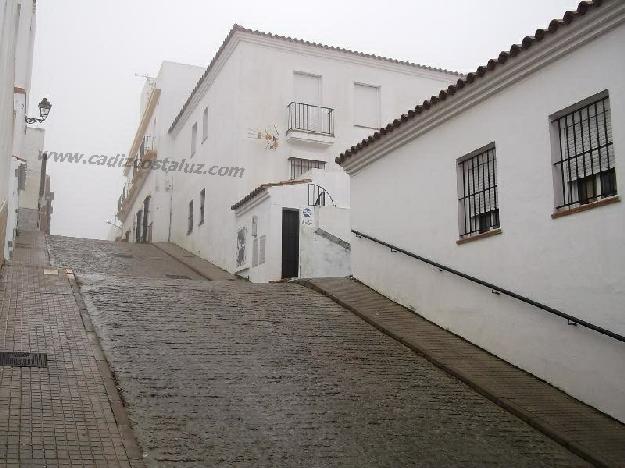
(300, 166)
(584, 160)
(477, 192)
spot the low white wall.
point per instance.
(583, 363)
(320, 257)
(334, 220)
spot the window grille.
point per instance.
(584, 166)
(479, 209)
(300, 166)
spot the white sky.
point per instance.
(87, 52)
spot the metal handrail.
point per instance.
(493, 287)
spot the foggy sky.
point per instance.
(87, 52)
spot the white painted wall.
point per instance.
(249, 90)
(318, 256)
(175, 80)
(575, 263)
(18, 25)
(33, 145)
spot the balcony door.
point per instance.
(308, 97)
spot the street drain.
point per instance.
(177, 276)
(122, 255)
(19, 359)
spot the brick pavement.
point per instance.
(229, 373)
(588, 432)
(59, 415)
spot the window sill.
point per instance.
(589, 206)
(476, 237)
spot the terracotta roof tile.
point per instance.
(470, 78)
(261, 188)
(235, 28)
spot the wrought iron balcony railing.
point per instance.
(311, 119)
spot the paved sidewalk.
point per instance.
(59, 415)
(200, 266)
(584, 430)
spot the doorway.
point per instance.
(290, 243)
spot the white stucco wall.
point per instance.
(32, 147)
(575, 263)
(318, 256)
(250, 92)
(175, 81)
(16, 56)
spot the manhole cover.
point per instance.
(122, 255)
(19, 359)
(177, 276)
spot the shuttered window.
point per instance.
(584, 165)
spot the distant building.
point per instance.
(512, 176)
(144, 207)
(17, 29)
(35, 197)
(262, 127)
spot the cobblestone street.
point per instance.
(228, 373)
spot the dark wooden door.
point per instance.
(290, 243)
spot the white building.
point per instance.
(146, 195)
(512, 176)
(270, 111)
(17, 37)
(35, 197)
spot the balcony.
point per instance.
(310, 124)
(146, 152)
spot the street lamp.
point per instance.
(44, 110)
(112, 223)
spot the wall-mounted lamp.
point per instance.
(44, 110)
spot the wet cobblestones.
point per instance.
(238, 374)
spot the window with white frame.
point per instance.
(205, 124)
(583, 157)
(366, 105)
(477, 192)
(193, 138)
